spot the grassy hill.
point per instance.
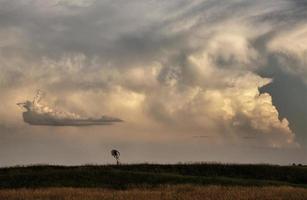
(124, 176)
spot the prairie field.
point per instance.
(139, 175)
(194, 181)
(168, 192)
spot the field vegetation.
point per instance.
(179, 192)
(154, 181)
(123, 176)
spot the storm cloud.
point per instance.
(171, 69)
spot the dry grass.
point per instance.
(182, 192)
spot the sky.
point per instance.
(193, 81)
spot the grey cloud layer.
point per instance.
(39, 114)
(174, 66)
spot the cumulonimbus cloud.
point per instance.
(189, 67)
(39, 114)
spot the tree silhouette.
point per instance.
(116, 155)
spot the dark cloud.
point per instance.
(34, 118)
(290, 97)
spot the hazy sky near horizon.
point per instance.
(199, 80)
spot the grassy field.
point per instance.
(123, 176)
(179, 192)
(154, 181)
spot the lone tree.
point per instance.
(116, 155)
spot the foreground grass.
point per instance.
(179, 192)
(123, 176)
